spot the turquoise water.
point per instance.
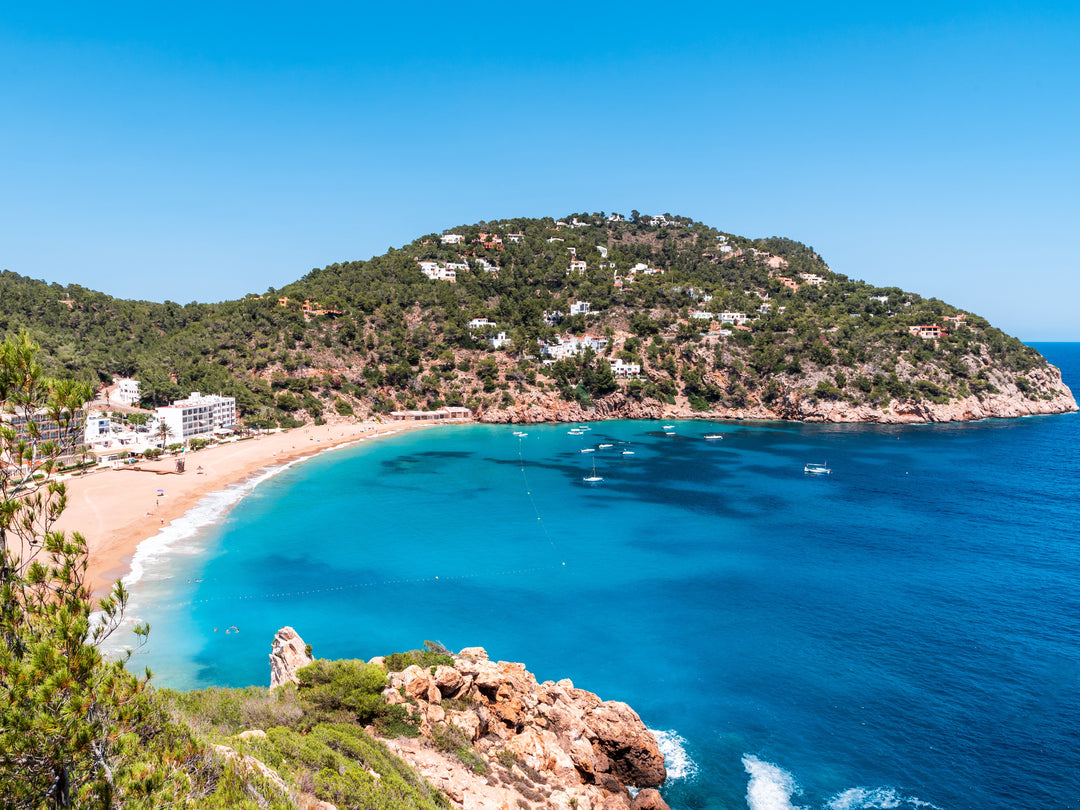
(901, 633)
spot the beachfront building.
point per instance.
(442, 414)
(198, 416)
(37, 429)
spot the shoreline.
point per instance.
(117, 510)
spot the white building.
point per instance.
(437, 271)
(577, 266)
(480, 323)
(620, 368)
(733, 317)
(602, 250)
(701, 316)
(812, 278)
(127, 391)
(516, 238)
(499, 340)
(564, 347)
(580, 308)
(452, 238)
(98, 428)
(197, 416)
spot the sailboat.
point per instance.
(594, 478)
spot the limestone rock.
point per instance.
(649, 799)
(287, 654)
(551, 741)
(632, 749)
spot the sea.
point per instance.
(902, 632)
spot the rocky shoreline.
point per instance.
(493, 738)
(1047, 394)
(546, 743)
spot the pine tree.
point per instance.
(63, 706)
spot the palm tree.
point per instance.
(164, 432)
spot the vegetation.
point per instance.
(314, 734)
(78, 730)
(368, 337)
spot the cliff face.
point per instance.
(1046, 394)
(548, 744)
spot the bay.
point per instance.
(900, 633)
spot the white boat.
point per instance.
(669, 433)
(714, 435)
(574, 432)
(594, 478)
(816, 469)
(587, 450)
(602, 446)
(520, 433)
(628, 452)
(668, 427)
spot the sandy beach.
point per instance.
(115, 510)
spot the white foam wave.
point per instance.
(770, 787)
(883, 798)
(678, 763)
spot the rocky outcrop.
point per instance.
(547, 745)
(288, 653)
(1045, 394)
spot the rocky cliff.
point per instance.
(1045, 394)
(547, 745)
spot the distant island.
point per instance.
(591, 316)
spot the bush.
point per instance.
(432, 655)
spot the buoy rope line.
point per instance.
(532, 500)
(400, 581)
(358, 586)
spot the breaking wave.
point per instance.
(678, 763)
(772, 788)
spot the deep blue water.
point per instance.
(903, 631)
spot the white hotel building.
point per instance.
(198, 416)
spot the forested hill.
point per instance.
(717, 323)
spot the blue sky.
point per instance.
(200, 152)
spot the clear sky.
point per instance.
(204, 151)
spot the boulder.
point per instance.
(634, 753)
(649, 799)
(288, 653)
